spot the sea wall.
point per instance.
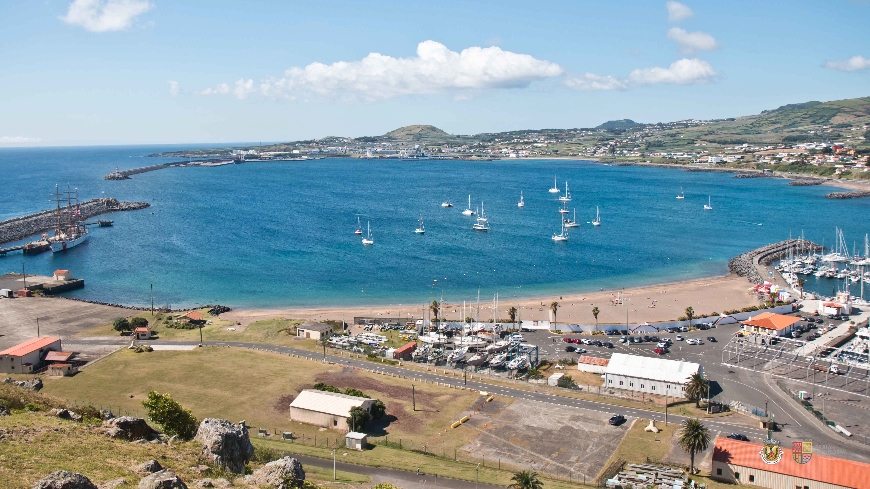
(848, 195)
(40, 222)
(745, 265)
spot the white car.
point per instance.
(517, 337)
(694, 341)
(679, 337)
(662, 344)
(622, 340)
(580, 350)
(586, 341)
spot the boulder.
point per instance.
(62, 479)
(164, 479)
(106, 415)
(148, 467)
(66, 414)
(31, 385)
(283, 473)
(225, 444)
(129, 428)
(218, 483)
(4, 411)
(112, 484)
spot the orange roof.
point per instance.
(832, 304)
(58, 356)
(141, 329)
(407, 348)
(769, 320)
(28, 346)
(593, 360)
(821, 468)
(59, 272)
(194, 315)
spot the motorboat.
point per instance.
(433, 338)
(519, 363)
(446, 204)
(457, 355)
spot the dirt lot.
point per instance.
(546, 438)
(57, 317)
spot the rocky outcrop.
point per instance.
(62, 479)
(66, 414)
(218, 309)
(164, 479)
(148, 467)
(283, 473)
(225, 444)
(806, 182)
(113, 484)
(848, 195)
(218, 483)
(129, 428)
(34, 384)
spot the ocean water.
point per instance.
(275, 234)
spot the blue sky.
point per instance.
(161, 71)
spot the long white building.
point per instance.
(650, 375)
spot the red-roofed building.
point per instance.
(193, 315)
(593, 365)
(142, 333)
(771, 324)
(739, 462)
(404, 353)
(28, 356)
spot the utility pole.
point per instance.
(37, 327)
(708, 396)
(333, 464)
(666, 407)
(152, 302)
(25, 275)
(413, 398)
(200, 335)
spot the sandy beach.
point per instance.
(655, 303)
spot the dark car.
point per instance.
(738, 436)
(570, 348)
(673, 329)
(646, 338)
(820, 321)
(597, 343)
(654, 339)
(608, 344)
(611, 332)
(711, 339)
(616, 420)
(703, 327)
(811, 337)
(636, 339)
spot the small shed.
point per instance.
(315, 331)
(62, 275)
(404, 353)
(593, 365)
(142, 333)
(355, 440)
(7, 293)
(193, 316)
(25, 293)
(553, 380)
(61, 370)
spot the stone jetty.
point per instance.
(125, 174)
(806, 182)
(40, 222)
(856, 194)
(747, 264)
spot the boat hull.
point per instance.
(65, 244)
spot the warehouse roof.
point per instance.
(602, 362)
(327, 402)
(651, 368)
(58, 356)
(28, 346)
(821, 468)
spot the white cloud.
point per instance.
(682, 72)
(591, 81)
(435, 69)
(105, 15)
(852, 64)
(174, 88)
(691, 42)
(15, 140)
(677, 11)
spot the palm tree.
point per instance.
(526, 479)
(554, 306)
(595, 312)
(512, 312)
(694, 438)
(434, 307)
(690, 313)
(535, 373)
(800, 284)
(696, 387)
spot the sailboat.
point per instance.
(555, 189)
(468, 211)
(709, 205)
(521, 203)
(420, 229)
(358, 227)
(597, 221)
(564, 209)
(567, 196)
(572, 223)
(481, 224)
(681, 196)
(563, 236)
(368, 239)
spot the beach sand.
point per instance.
(655, 303)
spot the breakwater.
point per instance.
(806, 182)
(746, 264)
(754, 175)
(125, 174)
(30, 225)
(856, 194)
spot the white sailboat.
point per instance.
(482, 221)
(572, 223)
(681, 196)
(446, 203)
(468, 211)
(521, 203)
(358, 227)
(555, 189)
(368, 239)
(563, 236)
(567, 196)
(420, 229)
(709, 205)
(564, 209)
(597, 221)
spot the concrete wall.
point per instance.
(595, 369)
(319, 419)
(763, 478)
(637, 384)
(309, 333)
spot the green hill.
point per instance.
(416, 132)
(621, 124)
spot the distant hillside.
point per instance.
(416, 132)
(621, 124)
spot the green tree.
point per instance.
(566, 381)
(554, 306)
(534, 373)
(800, 284)
(690, 313)
(696, 388)
(379, 409)
(326, 387)
(138, 322)
(358, 419)
(435, 308)
(350, 391)
(694, 438)
(512, 312)
(121, 325)
(174, 419)
(595, 313)
(526, 479)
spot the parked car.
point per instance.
(795, 334)
(693, 341)
(586, 341)
(811, 337)
(673, 329)
(608, 344)
(703, 327)
(577, 341)
(711, 339)
(570, 348)
(773, 341)
(581, 350)
(567, 340)
(597, 343)
(517, 337)
(684, 329)
(654, 339)
(662, 344)
(647, 338)
(738, 436)
(611, 332)
(623, 340)
(660, 351)
(679, 337)
(616, 420)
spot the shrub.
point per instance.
(358, 419)
(168, 413)
(379, 409)
(138, 322)
(326, 387)
(350, 391)
(121, 325)
(566, 381)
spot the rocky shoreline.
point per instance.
(214, 310)
(33, 224)
(856, 194)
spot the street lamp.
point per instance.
(333, 464)
(476, 475)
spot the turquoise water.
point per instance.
(277, 234)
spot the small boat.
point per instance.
(498, 360)
(481, 224)
(563, 236)
(446, 204)
(567, 196)
(477, 359)
(564, 209)
(572, 223)
(555, 189)
(498, 346)
(597, 221)
(457, 355)
(437, 354)
(709, 205)
(420, 229)
(368, 240)
(468, 211)
(358, 227)
(521, 203)
(518, 363)
(681, 196)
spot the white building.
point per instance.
(327, 409)
(650, 375)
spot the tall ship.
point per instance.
(69, 229)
